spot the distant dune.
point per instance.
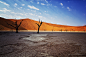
(28, 24)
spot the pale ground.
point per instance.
(44, 44)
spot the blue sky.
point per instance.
(64, 12)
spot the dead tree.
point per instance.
(61, 30)
(16, 25)
(39, 24)
(66, 30)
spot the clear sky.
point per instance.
(64, 12)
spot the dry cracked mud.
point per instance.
(43, 45)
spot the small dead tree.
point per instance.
(39, 24)
(16, 25)
(84, 30)
(66, 30)
(61, 30)
(52, 29)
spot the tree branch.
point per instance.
(41, 23)
(20, 23)
(39, 20)
(11, 25)
(37, 24)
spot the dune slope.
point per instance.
(28, 24)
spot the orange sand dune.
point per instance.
(28, 24)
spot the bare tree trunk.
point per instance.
(38, 29)
(17, 30)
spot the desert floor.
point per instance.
(44, 44)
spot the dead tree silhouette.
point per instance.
(16, 25)
(39, 24)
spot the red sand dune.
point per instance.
(28, 24)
